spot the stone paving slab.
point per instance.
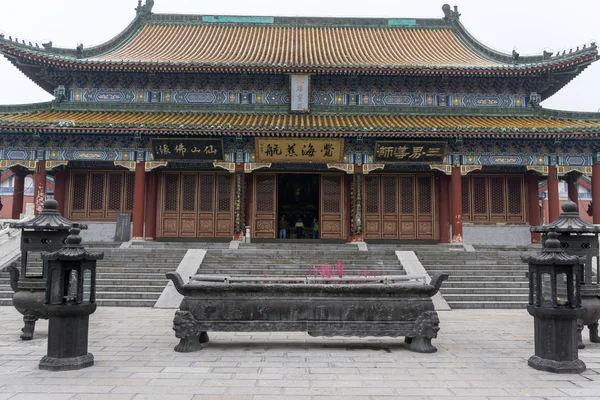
(482, 355)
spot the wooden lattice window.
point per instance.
(407, 193)
(372, 194)
(207, 192)
(265, 186)
(493, 198)
(100, 195)
(425, 195)
(225, 184)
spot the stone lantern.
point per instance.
(555, 304)
(70, 299)
(580, 239)
(46, 232)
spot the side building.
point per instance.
(377, 129)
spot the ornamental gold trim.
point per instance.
(56, 164)
(5, 164)
(249, 167)
(465, 169)
(565, 169)
(151, 165)
(228, 166)
(130, 165)
(347, 168)
(537, 168)
(445, 168)
(372, 167)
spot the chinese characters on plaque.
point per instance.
(396, 151)
(299, 95)
(299, 150)
(187, 149)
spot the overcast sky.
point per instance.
(527, 26)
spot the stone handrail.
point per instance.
(10, 241)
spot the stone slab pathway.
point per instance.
(482, 355)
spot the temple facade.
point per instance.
(205, 127)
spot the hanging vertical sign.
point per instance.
(299, 93)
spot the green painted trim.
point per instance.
(402, 22)
(234, 19)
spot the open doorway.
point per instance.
(298, 200)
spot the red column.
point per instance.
(60, 189)
(151, 205)
(596, 193)
(139, 193)
(553, 201)
(445, 209)
(533, 208)
(19, 188)
(457, 228)
(39, 186)
(572, 186)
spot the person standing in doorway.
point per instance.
(299, 229)
(315, 228)
(283, 227)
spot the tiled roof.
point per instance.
(227, 123)
(380, 47)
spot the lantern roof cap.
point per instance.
(552, 253)
(568, 222)
(73, 249)
(48, 219)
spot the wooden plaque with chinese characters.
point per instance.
(300, 93)
(401, 151)
(188, 149)
(299, 150)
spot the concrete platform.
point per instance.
(482, 355)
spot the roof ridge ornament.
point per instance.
(449, 15)
(146, 9)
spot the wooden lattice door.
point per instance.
(398, 207)
(265, 206)
(197, 205)
(332, 210)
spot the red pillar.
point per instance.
(139, 193)
(19, 188)
(39, 186)
(457, 228)
(572, 186)
(151, 205)
(60, 189)
(553, 200)
(596, 193)
(533, 208)
(445, 209)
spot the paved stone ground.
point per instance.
(482, 354)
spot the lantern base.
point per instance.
(559, 367)
(66, 364)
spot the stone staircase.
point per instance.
(488, 278)
(125, 277)
(296, 259)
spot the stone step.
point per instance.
(486, 278)
(480, 272)
(126, 303)
(128, 296)
(452, 291)
(456, 305)
(130, 288)
(483, 297)
(462, 267)
(496, 284)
